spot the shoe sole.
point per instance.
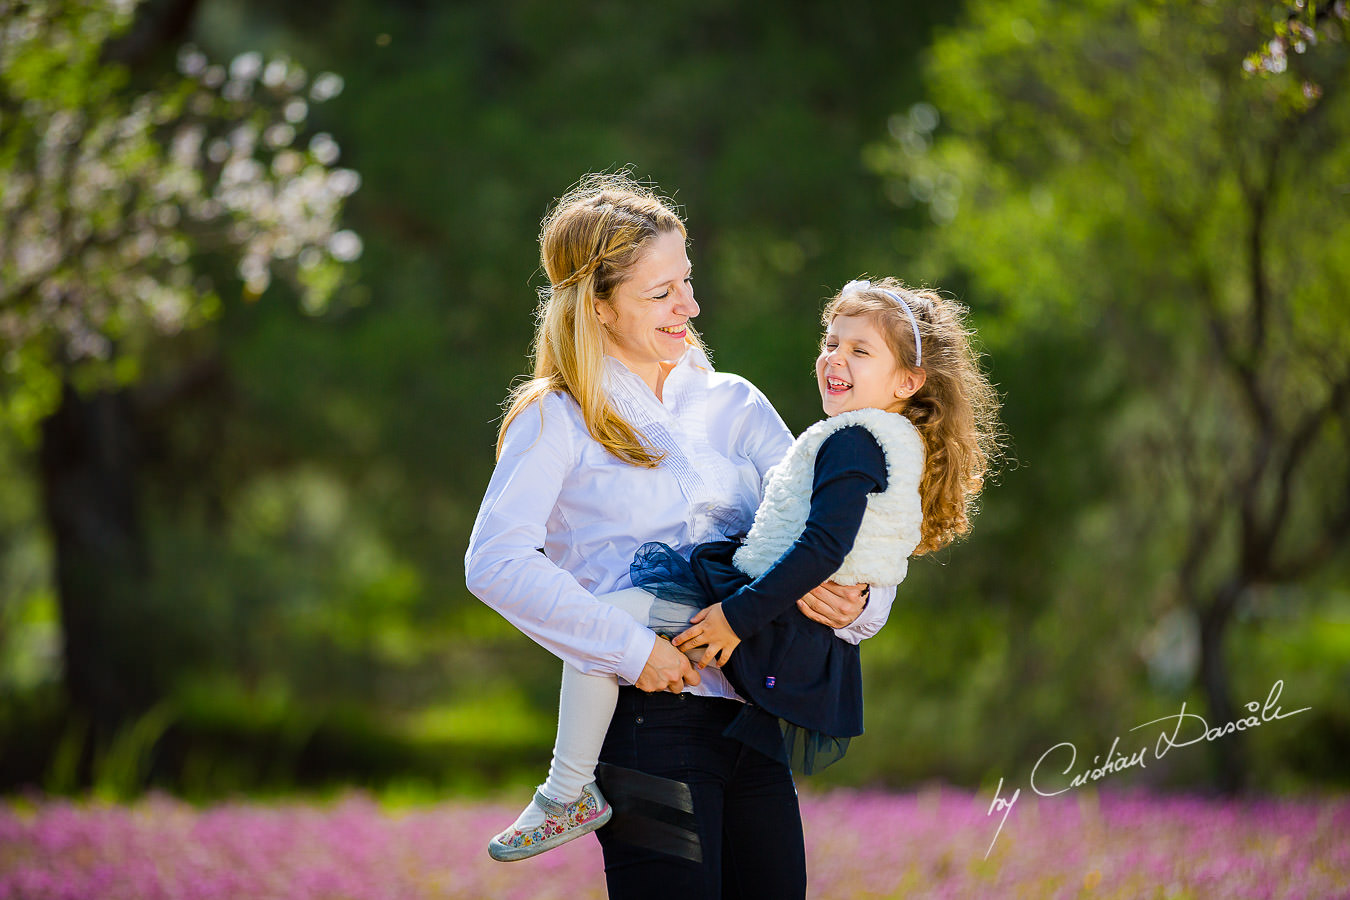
(503, 853)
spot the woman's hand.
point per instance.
(667, 669)
(709, 629)
(835, 605)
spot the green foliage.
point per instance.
(109, 195)
(359, 444)
(1079, 175)
(1113, 188)
(121, 769)
(63, 770)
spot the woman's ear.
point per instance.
(602, 311)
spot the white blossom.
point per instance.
(295, 77)
(287, 162)
(923, 117)
(344, 246)
(275, 74)
(243, 139)
(187, 146)
(246, 66)
(93, 210)
(191, 61)
(324, 148)
(237, 91)
(279, 135)
(326, 86)
(344, 182)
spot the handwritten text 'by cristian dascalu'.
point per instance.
(1189, 729)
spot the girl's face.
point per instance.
(857, 370)
(648, 314)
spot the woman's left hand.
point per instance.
(709, 628)
(835, 605)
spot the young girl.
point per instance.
(893, 471)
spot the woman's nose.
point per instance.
(687, 305)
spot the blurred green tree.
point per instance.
(306, 497)
(1108, 173)
(114, 200)
(520, 98)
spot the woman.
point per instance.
(626, 435)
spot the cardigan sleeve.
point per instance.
(849, 465)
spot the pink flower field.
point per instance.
(860, 844)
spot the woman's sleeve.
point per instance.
(849, 466)
(765, 437)
(874, 615)
(506, 568)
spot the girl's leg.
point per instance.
(585, 706)
(567, 805)
(634, 601)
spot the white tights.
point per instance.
(585, 706)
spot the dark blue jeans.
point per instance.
(744, 805)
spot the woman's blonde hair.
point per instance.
(588, 243)
(956, 408)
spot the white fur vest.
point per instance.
(890, 525)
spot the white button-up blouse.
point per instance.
(562, 517)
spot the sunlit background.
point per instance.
(268, 270)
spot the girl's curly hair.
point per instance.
(956, 409)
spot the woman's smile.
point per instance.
(639, 329)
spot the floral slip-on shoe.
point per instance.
(562, 822)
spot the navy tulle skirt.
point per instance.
(683, 587)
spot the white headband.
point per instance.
(866, 286)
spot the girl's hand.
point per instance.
(709, 629)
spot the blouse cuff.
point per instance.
(874, 615)
(636, 654)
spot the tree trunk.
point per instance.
(88, 461)
(1230, 757)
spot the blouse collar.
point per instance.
(623, 381)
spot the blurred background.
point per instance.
(267, 271)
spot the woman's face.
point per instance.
(647, 315)
(857, 370)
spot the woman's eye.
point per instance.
(662, 296)
(860, 352)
